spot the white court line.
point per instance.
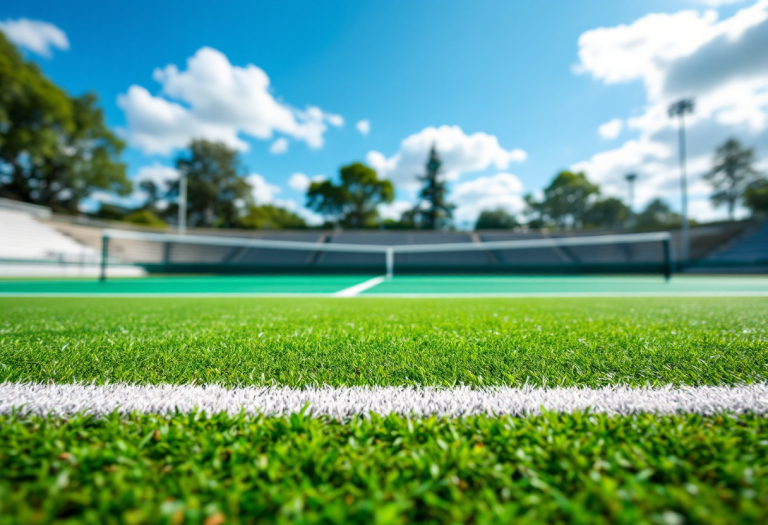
(346, 402)
(359, 288)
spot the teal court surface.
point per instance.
(399, 286)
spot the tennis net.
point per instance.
(173, 253)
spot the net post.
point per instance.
(104, 256)
(667, 260)
(390, 262)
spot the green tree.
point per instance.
(608, 213)
(565, 201)
(433, 211)
(658, 214)
(354, 200)
(269, 217)
(217, 190)
(498, 219)
(756, 196)
(145, 218)
(731, 174)
(55, 149)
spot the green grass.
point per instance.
(578, 468)
(701, 341)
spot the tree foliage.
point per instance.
(608, 213)
(269, 217)
(565, 201)
(658, 214)
(756, 196)
(55, 149)
(433, 211)
(731, 174)
(217, 190)
(353, 201)
(498, 219)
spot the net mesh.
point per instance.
(310, 253)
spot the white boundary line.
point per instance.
(346, 402)
(359, 288)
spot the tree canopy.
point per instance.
(217, 190)
(731, 174)
(608, 213)
(565, 200)
(495, 220)
(354, 200)
(756, 196)
(433, 210)
(55, 150)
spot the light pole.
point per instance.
(630, 178)
(679, 109)
(182, 201)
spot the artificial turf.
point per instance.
(217, 468)
(576, 468)
(361, 341)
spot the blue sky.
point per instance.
(511, 92)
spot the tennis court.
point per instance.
(398, 286)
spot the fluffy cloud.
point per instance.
(611, 129)
(363, 126)
(279, 146)
(35, 35)
(686, 54)
(502, 190)
(459, 152)
(157, 173)
(215, 100)
(394, 210)
(301, 182)
(263, 192)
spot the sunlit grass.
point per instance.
(594, 342)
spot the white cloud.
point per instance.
(502, 190)
(686, 54)
(263, 192)
(363, 126)
(394, 210)
(157, 173)
(279, 146)
(215, 100)
(35, 35)
(460, 153)
(611, 129)
(301, 182)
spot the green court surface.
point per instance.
(400, 286)
(584, 285)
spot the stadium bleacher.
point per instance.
(34, 234)
(29, 245)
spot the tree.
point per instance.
(353, 202)
(565, 200)
(658, 214)
(609, 213)
(217, 190)
(55, 149)
(756, 196)
(497, 219)
(731, 174)
(269, 217)
(145, 218)
(433, 210)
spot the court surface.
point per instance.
(399, 286)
